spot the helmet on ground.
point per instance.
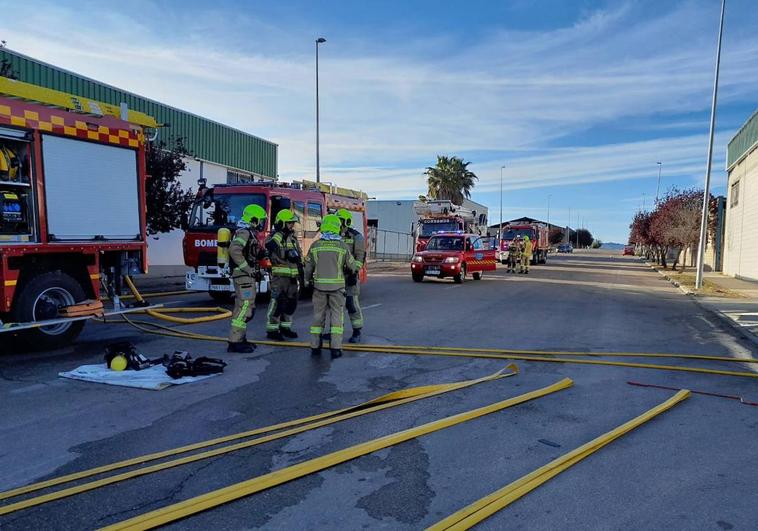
(284, 216)
(345, 216)
(253, 214)
(331, 224)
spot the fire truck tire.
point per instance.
(221, 297)
(39, 299)
(477, 276)
(417, 278)
(460, 277)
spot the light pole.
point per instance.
(548, 211)
(320, 40)
(658, 188)
(707, 188)
(500, 227)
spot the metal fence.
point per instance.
(390, 245)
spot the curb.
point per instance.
(741, 332)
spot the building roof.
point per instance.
(743, 142)
(206, 139)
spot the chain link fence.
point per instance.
(390, 245)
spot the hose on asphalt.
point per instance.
(162, 313)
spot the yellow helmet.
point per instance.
(346, 217)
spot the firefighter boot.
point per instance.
(241, 348)
(276, 335)
(336, 353)
(356, 337)
(286, 332)
(316, 351)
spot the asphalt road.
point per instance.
(694, 467)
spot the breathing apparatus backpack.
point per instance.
(123, 355)
(9, 164)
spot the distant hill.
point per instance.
(612, 245)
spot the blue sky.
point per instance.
(578, 99)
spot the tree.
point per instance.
(585, 237)
(450, 179)
(555, 236)
(167, 202)
(597, 244)
(6, 68)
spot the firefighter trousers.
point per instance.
(525, 260)
(244, 307)
(512, 261)
(331, 305)
(353, 305)
(284, 292)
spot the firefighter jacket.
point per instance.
(327, 262)
(285, 254)
(357, 246)
(245, 252)
(528, 249)
(513, 249)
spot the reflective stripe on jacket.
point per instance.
(326, 264)
(278, 244)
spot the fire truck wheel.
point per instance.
(221, 297)
(39, 300)
(417, 278)
(460, 277)
(477, 276)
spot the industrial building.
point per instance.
(741, 232)
(220, 154)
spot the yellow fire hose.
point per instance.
(380, 403)
(487, 506)
(225, 495)
(470, 353)
(161, 313)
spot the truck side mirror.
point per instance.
(468, 246)
(184, 221)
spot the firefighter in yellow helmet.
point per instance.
(357, 245)
(244, 253)
(328, 262)
(526, 256)
(286, 265)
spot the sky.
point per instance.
(578, 99)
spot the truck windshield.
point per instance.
(511, 234)
(445, 243)
(222, 209)
(428, 228)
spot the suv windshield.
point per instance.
(445, 243)
(428, 228)
(511, 234)
(218, 210)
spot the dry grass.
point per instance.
(709, 289)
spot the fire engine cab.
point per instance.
(454, 254)
(442, 216)
(219, 207)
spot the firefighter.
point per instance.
(244, 252)
(526, 255)
(357, 245)
(286, 264)
(513, 255)
(328, 260)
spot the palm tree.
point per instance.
(450, 179)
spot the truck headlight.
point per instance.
(417, 259)
(451, 260)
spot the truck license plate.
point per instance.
(219, 287)
(432, 270)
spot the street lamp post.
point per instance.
(320, 40)
(658, 188)
(548, 211)
(500, 227)
(707, 190)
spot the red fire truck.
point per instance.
(538, 234)
(442, 216)
(220, 206)
(72, 187)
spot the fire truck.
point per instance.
(72, 188)
(220, 206)
(538, 234)
(443, 216)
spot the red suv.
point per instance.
(454, 254)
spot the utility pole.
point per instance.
(658, 188)
(707, 188)
(548, 212)
(320, 40)
(500, 227)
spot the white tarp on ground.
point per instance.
(153, 378)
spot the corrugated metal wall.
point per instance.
(745, 138)
(206, 139)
